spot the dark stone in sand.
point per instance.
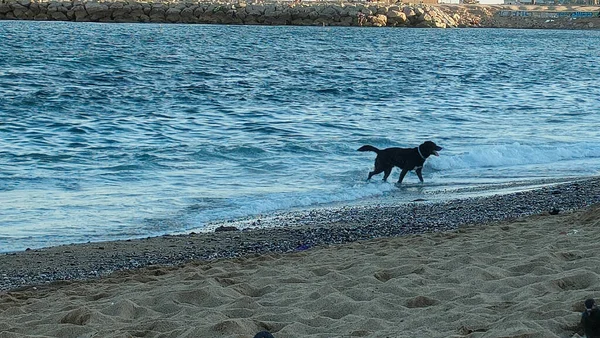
(263, 334)
(554, 211)
(226, 228)
(421, 301)
(303, 247)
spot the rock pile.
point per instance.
(491, 16)
(543, 23)
(288, 13)
(239, 12)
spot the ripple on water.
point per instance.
(139, 122)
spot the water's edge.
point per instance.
(313, 228)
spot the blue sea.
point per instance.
(116, 131)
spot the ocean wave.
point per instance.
(182, 124)
(514, 154)
(255, 205)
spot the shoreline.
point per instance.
(294, 232)
(292, 13)
(526, 276)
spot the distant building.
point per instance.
(551, 2)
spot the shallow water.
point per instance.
(113, 131)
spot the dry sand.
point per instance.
(525, 278)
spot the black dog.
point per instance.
(403, 158)
(264, 334)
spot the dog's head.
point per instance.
(429, 148)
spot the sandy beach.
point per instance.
(519, 277)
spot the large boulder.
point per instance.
(272, 11)
(97, 11)
(121, 12)
(173, 15)
(378, 20)
(157, 12)
(396, 18)
(198, 11)
(277, 15)
(408, 11)
(5, 8)
(367, 11)
(348, 21)
(381, 10)
(255, 10)
(330, 13)
(136, 13)
(58, 16)
(41, 17)
(21, 12)
(57, 7)
(39, 8)
(146, 8)
(79, 13)
(187, 15)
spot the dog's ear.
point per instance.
(428, 145)
(432, 148)
(431, 145)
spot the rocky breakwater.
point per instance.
(280, 13)
(527, 17)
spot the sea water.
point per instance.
(115, 131)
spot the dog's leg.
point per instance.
(402, 174)
(374, 172)
(418, 171)
(387, 173)
(377, 169)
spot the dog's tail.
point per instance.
(368, 148)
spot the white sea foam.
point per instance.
(514, 154)
(256, 205)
